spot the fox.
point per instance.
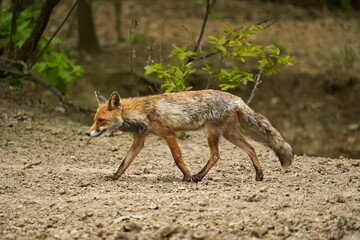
(219, 113)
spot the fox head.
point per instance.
(108, 115)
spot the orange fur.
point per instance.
(220, 113)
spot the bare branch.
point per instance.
(202, 53)
(196, 43)
(162, 34)
(257, 82)
(132, 52)
(209, 6)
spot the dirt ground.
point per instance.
(51, 174)
(52, 185)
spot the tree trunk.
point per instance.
(15, 15)
(25, 4)
(88, 41)
(30, 44)
(355, 4)
(117, 5)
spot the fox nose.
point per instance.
(88, 134)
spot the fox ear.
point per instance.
(114, 101)
(100, 98)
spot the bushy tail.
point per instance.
(260, 124)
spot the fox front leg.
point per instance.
(176, 153)
(137, 145)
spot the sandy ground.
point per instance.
(52, 187)
(51, 174)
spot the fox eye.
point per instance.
(100, 121)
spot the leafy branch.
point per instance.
(239, 47)
(231, 44)
(174, 78)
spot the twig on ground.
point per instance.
(129, 217)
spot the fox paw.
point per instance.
(112, 177)
(196, 178)
(186, 178)
(259, 176)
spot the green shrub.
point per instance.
(56, 68)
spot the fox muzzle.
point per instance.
(97, 132)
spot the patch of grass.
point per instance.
(217, 17)
(241, 21)
(138, 38)
(276, 42)
(345, 60)
(349, 55)
(323, 114)
(14, 83)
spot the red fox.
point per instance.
(219, 113)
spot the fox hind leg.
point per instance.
(233, 135)
(213, 142)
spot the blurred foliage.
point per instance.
(217, 17)
(349, 55)
(276, 41)
(24, 25)
(56, 68)
(345, 60)
(138, 38)
(343, 5)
